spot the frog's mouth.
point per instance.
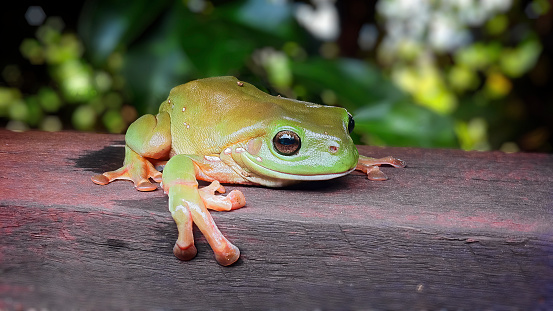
(252, 165)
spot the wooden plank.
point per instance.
(470, 230)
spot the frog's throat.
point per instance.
(252, 165)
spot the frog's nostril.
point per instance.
(333, 149)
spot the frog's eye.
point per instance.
(287, 142)
(351, 123)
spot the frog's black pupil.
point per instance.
(351, 123)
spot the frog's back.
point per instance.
(210, 114)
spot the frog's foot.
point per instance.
(234, 200)
(370, 166)
(135, 168)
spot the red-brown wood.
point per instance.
(454, 229)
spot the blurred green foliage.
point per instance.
(404, 89)
(77, 88)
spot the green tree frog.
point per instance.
(222, 130)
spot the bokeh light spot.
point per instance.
(35, 15)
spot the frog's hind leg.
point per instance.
(186, 204)
(148, 140)
(370, 166)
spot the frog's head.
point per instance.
(305, 142)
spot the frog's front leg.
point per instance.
(370, 166)
(147, 139)
(189, 205)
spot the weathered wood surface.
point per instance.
(453, 230)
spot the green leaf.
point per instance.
(404, 124)
(516, 62)
(156, 65)
(275, 18)
(383, 114)
(107, 24)
(218, 45)
(356, 83)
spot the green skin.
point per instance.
(223, 130)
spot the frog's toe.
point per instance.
(389, 160)
(374, 173)
(107, 177)
(395, 162)
(237, 199)
(100, 179)
(145, 185)
(228, 255)
(155, 175)
(185, 252)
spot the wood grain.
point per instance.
(453, 230)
